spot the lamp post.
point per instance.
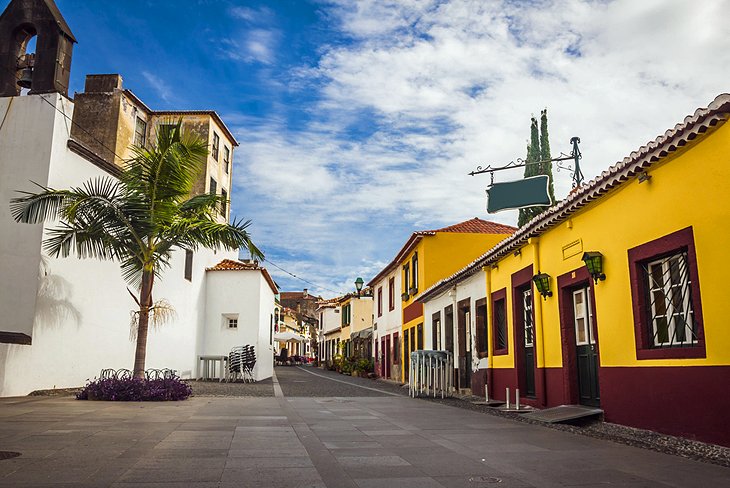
(358, 285)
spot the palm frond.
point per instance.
(34, 208)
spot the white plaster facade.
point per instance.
(77, 312)
(330, 324)
(388, 323)
(243, 295)
(473, 288)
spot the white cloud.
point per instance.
(440, 87)
(163, 90)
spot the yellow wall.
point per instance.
(687, 189)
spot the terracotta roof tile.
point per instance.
(479, 226)
(229, 264)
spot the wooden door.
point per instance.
(586, 348)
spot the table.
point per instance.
(207, 367)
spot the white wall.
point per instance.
(473, 287)
(246, 294)
(24, 158)
(391, 320)
(81, 322)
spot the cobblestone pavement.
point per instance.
(339, 441)
(263, 388)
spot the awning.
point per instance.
(288, 336)
(362, 334)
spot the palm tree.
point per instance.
(138, 219)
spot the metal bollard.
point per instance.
(506, 405)
(517, 399)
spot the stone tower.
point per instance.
(51, 64)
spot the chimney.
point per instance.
(305, 294)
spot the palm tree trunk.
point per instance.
(145, 303)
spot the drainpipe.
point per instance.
(539, 328)
(455, 335)
(490, 350)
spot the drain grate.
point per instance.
(8, 455)
(485, 479)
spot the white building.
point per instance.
(63, 320)
(239, 310)
(330, 325)
(387, 322)
(455, 321)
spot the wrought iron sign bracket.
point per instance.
(574, 155)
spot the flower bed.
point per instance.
(124, 388)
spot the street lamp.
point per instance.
(358, 285)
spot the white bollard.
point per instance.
(517, 399)
(506, 395)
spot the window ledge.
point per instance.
(692, 352)
(500, 352)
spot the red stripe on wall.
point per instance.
(412, 311)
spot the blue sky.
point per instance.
(358, 121)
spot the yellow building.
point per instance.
(429, 256)
(356, 313)
(635, 317)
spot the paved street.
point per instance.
(353, 437)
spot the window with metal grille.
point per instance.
(226, 159)
(499, 320)
(216, 146)
(232, 323)
(669, 301)
(666, 298)
(527, 317)
(140, 132)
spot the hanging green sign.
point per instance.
(528, 192)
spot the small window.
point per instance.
(436, 331)
(414, 274)
(499, 322)
(481, 327)
(396, 350)
(224, 203)
(406, 279)
(391, 294)
(226, 159)
(232, 323)
(213, 186)
(380, 301)
(216, 146)
(140, 133)
(189, 265)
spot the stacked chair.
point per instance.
(241, 362)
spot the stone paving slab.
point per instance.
(369, 441)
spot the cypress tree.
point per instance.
(546, 168)
(538, 150)
(532, 168)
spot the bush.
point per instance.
(364, 366)
(135, 390)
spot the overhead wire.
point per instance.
(302, 279)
